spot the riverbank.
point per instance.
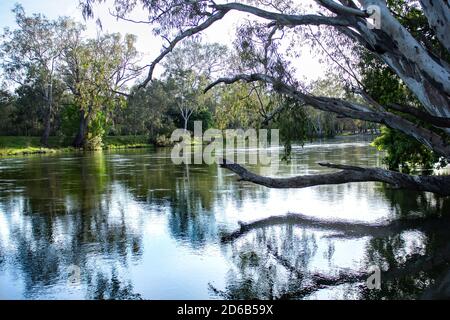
(16, 146)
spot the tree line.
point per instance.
(58, 82)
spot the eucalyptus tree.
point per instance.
(371, 24)
(190, 66)
(31, 54)
(97, 71)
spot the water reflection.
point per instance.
(138, 226)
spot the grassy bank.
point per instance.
(13, 146)
(126, 142)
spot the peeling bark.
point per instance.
(438, 15)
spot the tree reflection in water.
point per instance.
(279, 257)
(114, 214)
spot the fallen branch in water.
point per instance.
(436, 184)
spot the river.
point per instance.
(132, 225)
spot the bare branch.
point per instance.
(206, 24)
(285, 19)
(340, 9)
(439, 122)
(436, 184)
(350, 110)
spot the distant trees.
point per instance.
(55, 68)
(31, 56)
(151, 110)
(191, 67)
(79, 88)
(96, 71)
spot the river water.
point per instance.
(132, 225)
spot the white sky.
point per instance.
(150, 46)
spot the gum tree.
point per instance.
(190, 66)
(31, 54)
(96, 72)
(425, 72)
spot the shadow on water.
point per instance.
(138, 226)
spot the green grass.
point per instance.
(15, 146)
(122, 142)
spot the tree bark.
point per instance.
(47, 128)
(48, 115)
(80, 138)
(438, 15)
(343, 229)
(185, 123)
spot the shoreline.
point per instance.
(11, 146)
(16, 146)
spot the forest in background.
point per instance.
(74, 91)
(79, 92)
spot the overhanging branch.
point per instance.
(439, 122)
(350, 110)
(437, 184)
(285, 19)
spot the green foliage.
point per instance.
(19, 145)
(293, 124)
(95, 70)
(239, 107)
(119, 142)
(70, 123)
(150, 111)
(403, 152)
(96, 130)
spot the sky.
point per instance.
(147, 44)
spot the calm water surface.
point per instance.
(139, 227)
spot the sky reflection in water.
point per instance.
(140, 227)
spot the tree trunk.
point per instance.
(185, 123)
(80, 138)
(48, 116)
(47, 128)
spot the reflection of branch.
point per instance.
(311, 282)
(413, 265)
(346, 229)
